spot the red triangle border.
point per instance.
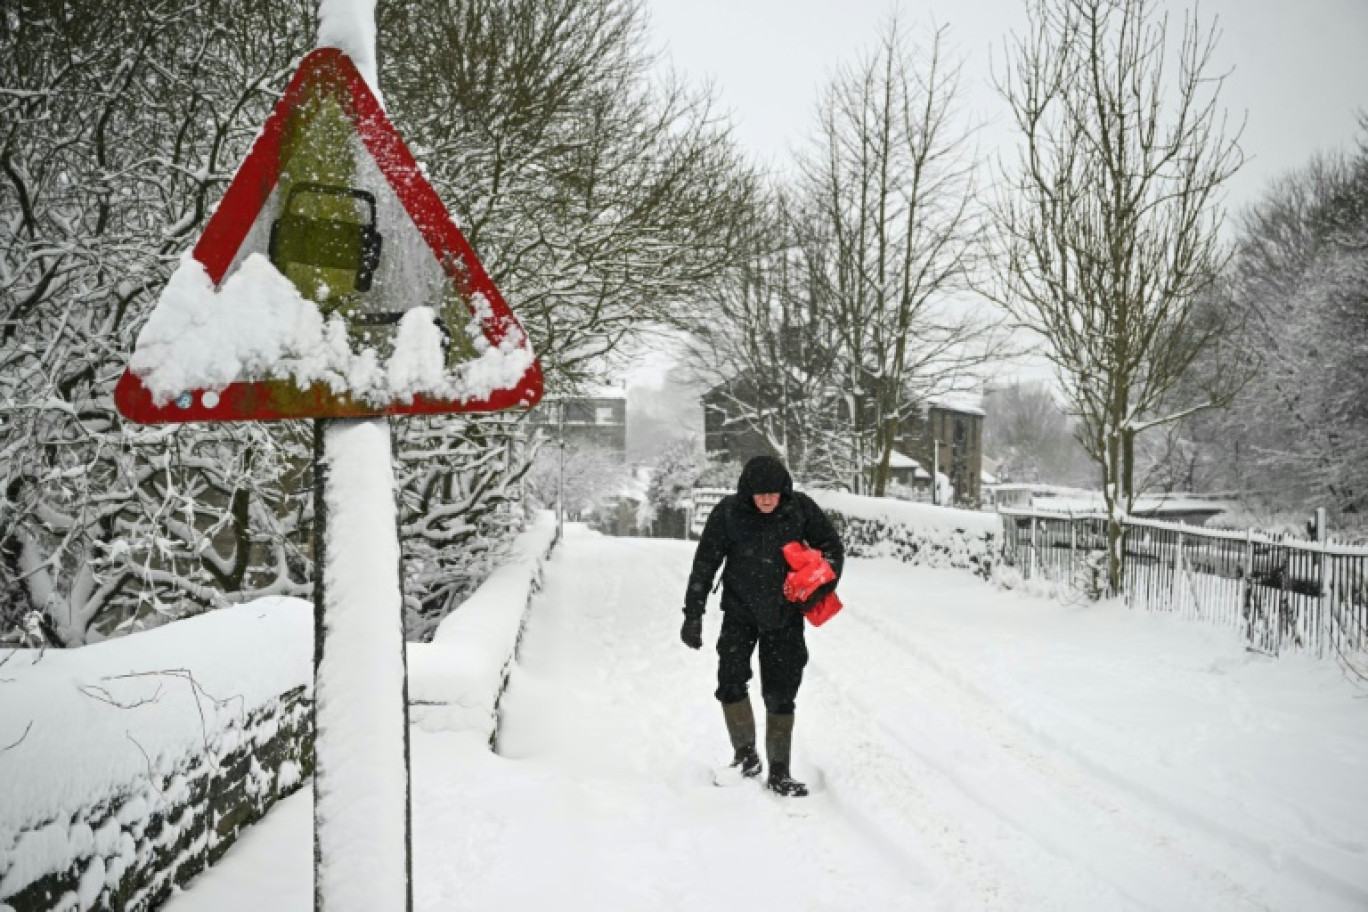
(331, 69)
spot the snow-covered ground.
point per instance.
(968, 747)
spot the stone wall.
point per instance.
(131, 850)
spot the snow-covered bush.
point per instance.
(913, 532)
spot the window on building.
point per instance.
(604, 414)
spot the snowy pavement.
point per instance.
(968, 748)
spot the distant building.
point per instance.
(947, 438)
(947, 435)
(590, 422)
(906, 471)
(725, 433)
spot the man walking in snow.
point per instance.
(748, 530)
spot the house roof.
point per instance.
(897, 460)
(960, 401)
(1054, 498)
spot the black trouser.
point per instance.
(783, 654)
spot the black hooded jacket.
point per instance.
(751, 543)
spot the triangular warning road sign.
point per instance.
(384, 197)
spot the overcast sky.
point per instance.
(1298, 68)
(1298, 75)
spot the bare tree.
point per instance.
(597, 197)
(118, 126)
(1297, 434)
(1110, 220)
(755, 340)
(888, 191)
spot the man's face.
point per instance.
(765, 503)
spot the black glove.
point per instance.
(692, 631)
(821, 592)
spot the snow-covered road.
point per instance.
(968, 748)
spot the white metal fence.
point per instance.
(703, 500)
(1283, 593)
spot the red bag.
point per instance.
(824, 610)
(809, 570)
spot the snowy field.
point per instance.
(968, 748)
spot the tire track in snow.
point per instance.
(1048, 785)
(880, 794)
(1086, 769)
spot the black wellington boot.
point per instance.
(778, 745)
(741, 730)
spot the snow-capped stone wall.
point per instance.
(129, 766)
(914, 533)
(456, 680)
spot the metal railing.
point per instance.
(1283, 593)
(701, 502)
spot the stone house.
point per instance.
(590, 422)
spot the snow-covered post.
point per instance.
(935, 481)
(362, 819)
(1327, 602)
(1073, 548)
(560, 484)
(1247, 584)
(362, 829)
(1179, 569)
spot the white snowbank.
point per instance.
(906, 513)
(455, 681)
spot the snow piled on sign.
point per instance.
(349, 25)
(258, 326)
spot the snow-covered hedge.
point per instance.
(455, 681)
(128, 766)
(915, 533)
